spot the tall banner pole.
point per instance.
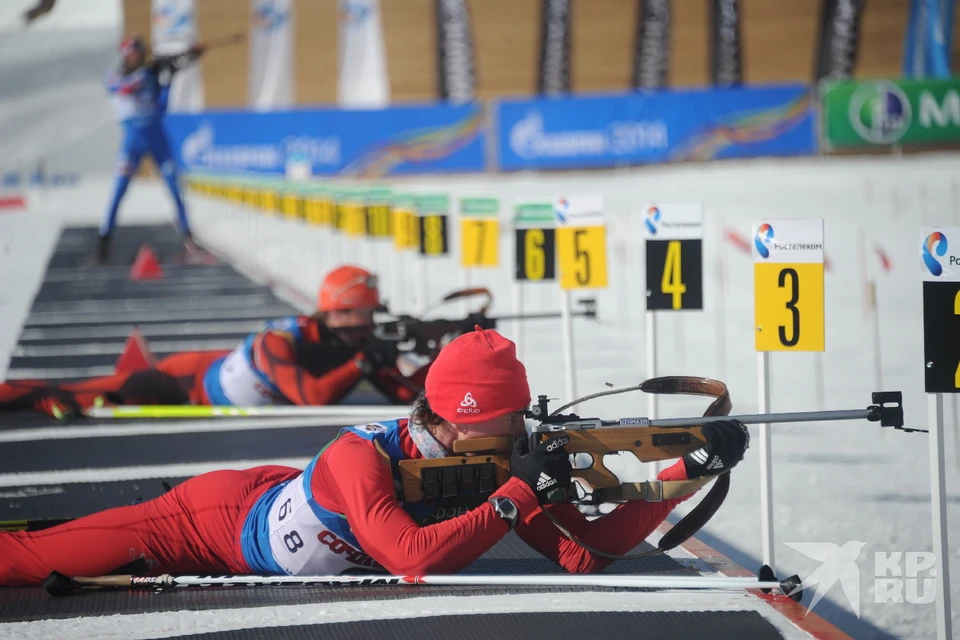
(535, 254)
(941, 366)
(434, 240)
(674, 267)
(788, 316)
(582, 254)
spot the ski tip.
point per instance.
(766, 574)
(792, 587)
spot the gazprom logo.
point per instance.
(936, 243)
(763, 239)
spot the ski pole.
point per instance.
(58, 584)
(374, 412)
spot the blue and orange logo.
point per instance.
(936, 242)
(561, 210)
(652, 220)
(763, 239)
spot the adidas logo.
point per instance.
(716, 463)
(468, 404)
(699, 456)
(545, 481)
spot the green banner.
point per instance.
(538, 214)
(479, 207)
(883, 112)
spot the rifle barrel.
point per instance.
(541, 316)
(767, 418)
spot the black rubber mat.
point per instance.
(82, 314)
(18, 457)
(610, 625)
(75, 500)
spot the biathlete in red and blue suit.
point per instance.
(342, 513)
(301, 360)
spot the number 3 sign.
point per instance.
(788, 285)
(581, 242)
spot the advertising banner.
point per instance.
(373, 143)
(839, 38)
(606, 131)
(363, 80)
(652, 44)
(271, 55)
(173, 31)
(882, 112)
(554, 73)
(726, 69)
(456, 76)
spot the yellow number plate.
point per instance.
(406, 233)
(479, 246)
(582, 253)
(788, 304)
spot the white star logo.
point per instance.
(837, 563)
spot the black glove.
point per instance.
(727, 441)
(546, 468)
(378, 354)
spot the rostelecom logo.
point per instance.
(763, 239)
(936, 243)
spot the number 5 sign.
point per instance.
(581, 242)
(788, 285)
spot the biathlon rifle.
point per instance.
(427, 337)
(483, 464)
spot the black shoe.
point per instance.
(99, 257)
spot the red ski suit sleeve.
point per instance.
(617, 532)
(275, 355)
(353, 478)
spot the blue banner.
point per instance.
(326, 142)
(636, 128)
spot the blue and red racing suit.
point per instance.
(139, 101)
(340, 514)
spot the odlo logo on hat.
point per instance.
(468, 404)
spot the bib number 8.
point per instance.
(293, 541)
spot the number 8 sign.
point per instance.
(581, 242)
(788, 285)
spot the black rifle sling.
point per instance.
(701, 514)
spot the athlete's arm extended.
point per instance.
(275, 355)
(617, 532)
(353, 478)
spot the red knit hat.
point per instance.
(477, 377)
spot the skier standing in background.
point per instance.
(139, 92)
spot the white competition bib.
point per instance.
(301, 543)
(241, 384)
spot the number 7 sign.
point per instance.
(788, 285)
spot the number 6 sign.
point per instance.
(581, 242)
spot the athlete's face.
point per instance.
(511, 424)
(352, 324)
(133, 59)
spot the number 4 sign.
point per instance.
(788, 285)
